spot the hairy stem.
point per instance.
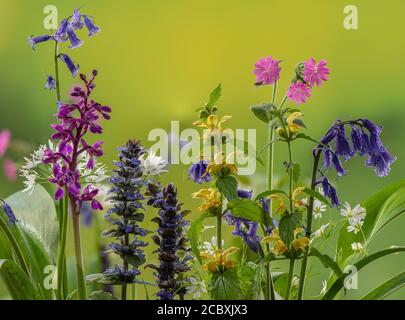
(56, 54)
(309, 226)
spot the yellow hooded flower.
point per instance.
(280, 199)
(218, 261)
(292, 121)
(300, 242)
(297, 199)
(222, 165)
(211, 199)
(277, 245)
(213, 123)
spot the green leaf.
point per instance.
(296, 172)
(194, 234)
(225, 286)
(36, 214)
(18, 283)
(214, 97)
(267, 193)
(387, 288)
(134, 260)
(316, 195)
(263, 111)
(327, 261)
(227, 186)
(101, 295)
(288, 224)
(382, 208)
(339, 282)
(248, 209)
(305, 137)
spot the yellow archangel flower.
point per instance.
(213, 123)
(211, 199)
(300, 242)
(219, 261)
(294, 124)
(277, 245)
(222, 165)
(296, 198)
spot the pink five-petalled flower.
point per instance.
(315, 73)
(267, 71)
(299, 92)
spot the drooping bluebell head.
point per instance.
(9, 213)
(198, 172)
(33, 41)
(93, 29)
(76, 21)
(60, 34)
(329, 191)
(75, 42)
(50, 83)
(74, 69)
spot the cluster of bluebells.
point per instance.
(365, 141)
(67, 32)
(126, 214)
(75, 121)
(308, 74)
(244, 228)
(9, 212)
(171, 241)
(198, 172)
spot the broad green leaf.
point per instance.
(36, 214)
(387, 288)
(225, 286)
(18, 283)
(288, 224)
(247, 209)
(327, 261)
(194, 234)
(382, 208)
(263, 111)
(227, 186)
(281, 284)
(305, 137)
(214, 97)
(316, 195)
(339, 282)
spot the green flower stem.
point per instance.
(56, 54)
(81, 285)
(219, 229)
(309, 226)
(61, 260)
(290, 277)
(269, 291)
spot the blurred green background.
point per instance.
(158, 60)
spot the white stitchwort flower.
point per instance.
(355, 225)
(357, 247)
(319, 209)
(210, 246)
(196, 287)
(153, 165)
(356, 213)
(321, 232)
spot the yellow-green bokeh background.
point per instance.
(158, 60)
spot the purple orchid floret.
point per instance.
(60, 34)
(75, 120)
(33, 41)
(9, 212)
(198, 172)
(93, 29)
(74, 69)
(50, 83)
(75, 42)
